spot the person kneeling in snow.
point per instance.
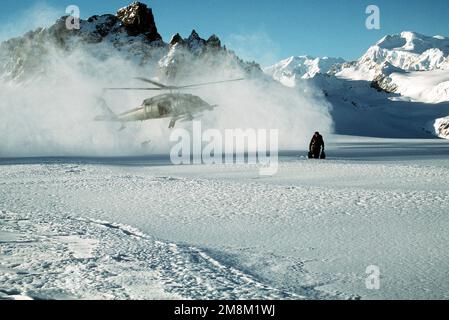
(316, 147)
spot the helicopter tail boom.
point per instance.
(107, 115)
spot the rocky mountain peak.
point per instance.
(195, 43)
(131, 34)
(302, 67)
(176, 39)
(194, 36)
(139, 19)
(213, 41)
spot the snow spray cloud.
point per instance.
(50, 111)
(53, 114)
(256, 103)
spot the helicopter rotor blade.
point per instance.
(208, 83)
(163, 87)
(138, 89)
(157, 84)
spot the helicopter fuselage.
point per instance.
(171, 105)
(174, 105)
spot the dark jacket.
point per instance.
(316, 143)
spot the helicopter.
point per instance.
(174, 104)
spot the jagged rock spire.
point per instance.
(194, 35)
(139, 19)
(194, 41)
(176, 39)
(213, 42)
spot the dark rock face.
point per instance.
(383, 83)
(213, 42)
(104, 24)
(139, 19)
(194, 36)
(195, 43)
(176, 39)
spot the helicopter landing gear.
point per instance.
(146, 144)
(172, 123)
(123, 127)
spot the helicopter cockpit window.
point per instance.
(164, 108)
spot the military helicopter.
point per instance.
(174, 104)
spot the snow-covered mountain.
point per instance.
(411, 64)
(131, 33)
(301, 67)
(410, 51)
(406, 69)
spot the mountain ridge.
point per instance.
(402, 69)
(301, 67)
(132, 32)
(387, 65)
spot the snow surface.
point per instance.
(360, 110)
(419, 86)
(429, 87)
(61, 257)
(225, 232)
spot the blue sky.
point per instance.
(261, 30)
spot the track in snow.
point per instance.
(66, 258)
